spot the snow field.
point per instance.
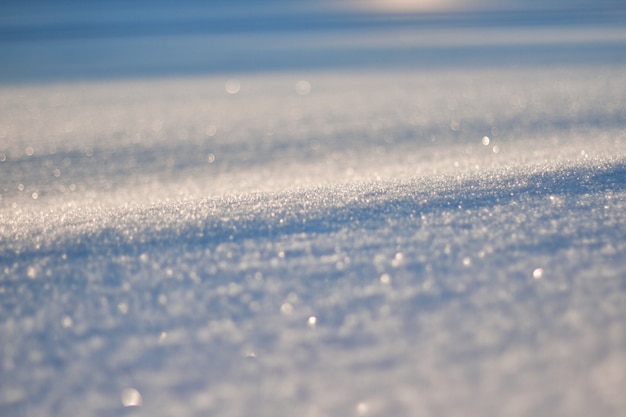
(389, 243)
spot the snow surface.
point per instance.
(395, 241)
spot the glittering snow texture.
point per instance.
(324, 243)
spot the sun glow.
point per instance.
(400, 6)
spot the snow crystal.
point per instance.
(131, 397)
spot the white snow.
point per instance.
(325, 242)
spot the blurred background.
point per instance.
(68, 40)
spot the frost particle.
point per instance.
(131, 398)
(31, 272)
(122, 308)
(286, 309)
(67, 322)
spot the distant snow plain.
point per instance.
(394, 241)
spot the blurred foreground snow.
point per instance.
(406, 240)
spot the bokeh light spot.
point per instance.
(303, 87)
(232, 86)
(131, 398)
